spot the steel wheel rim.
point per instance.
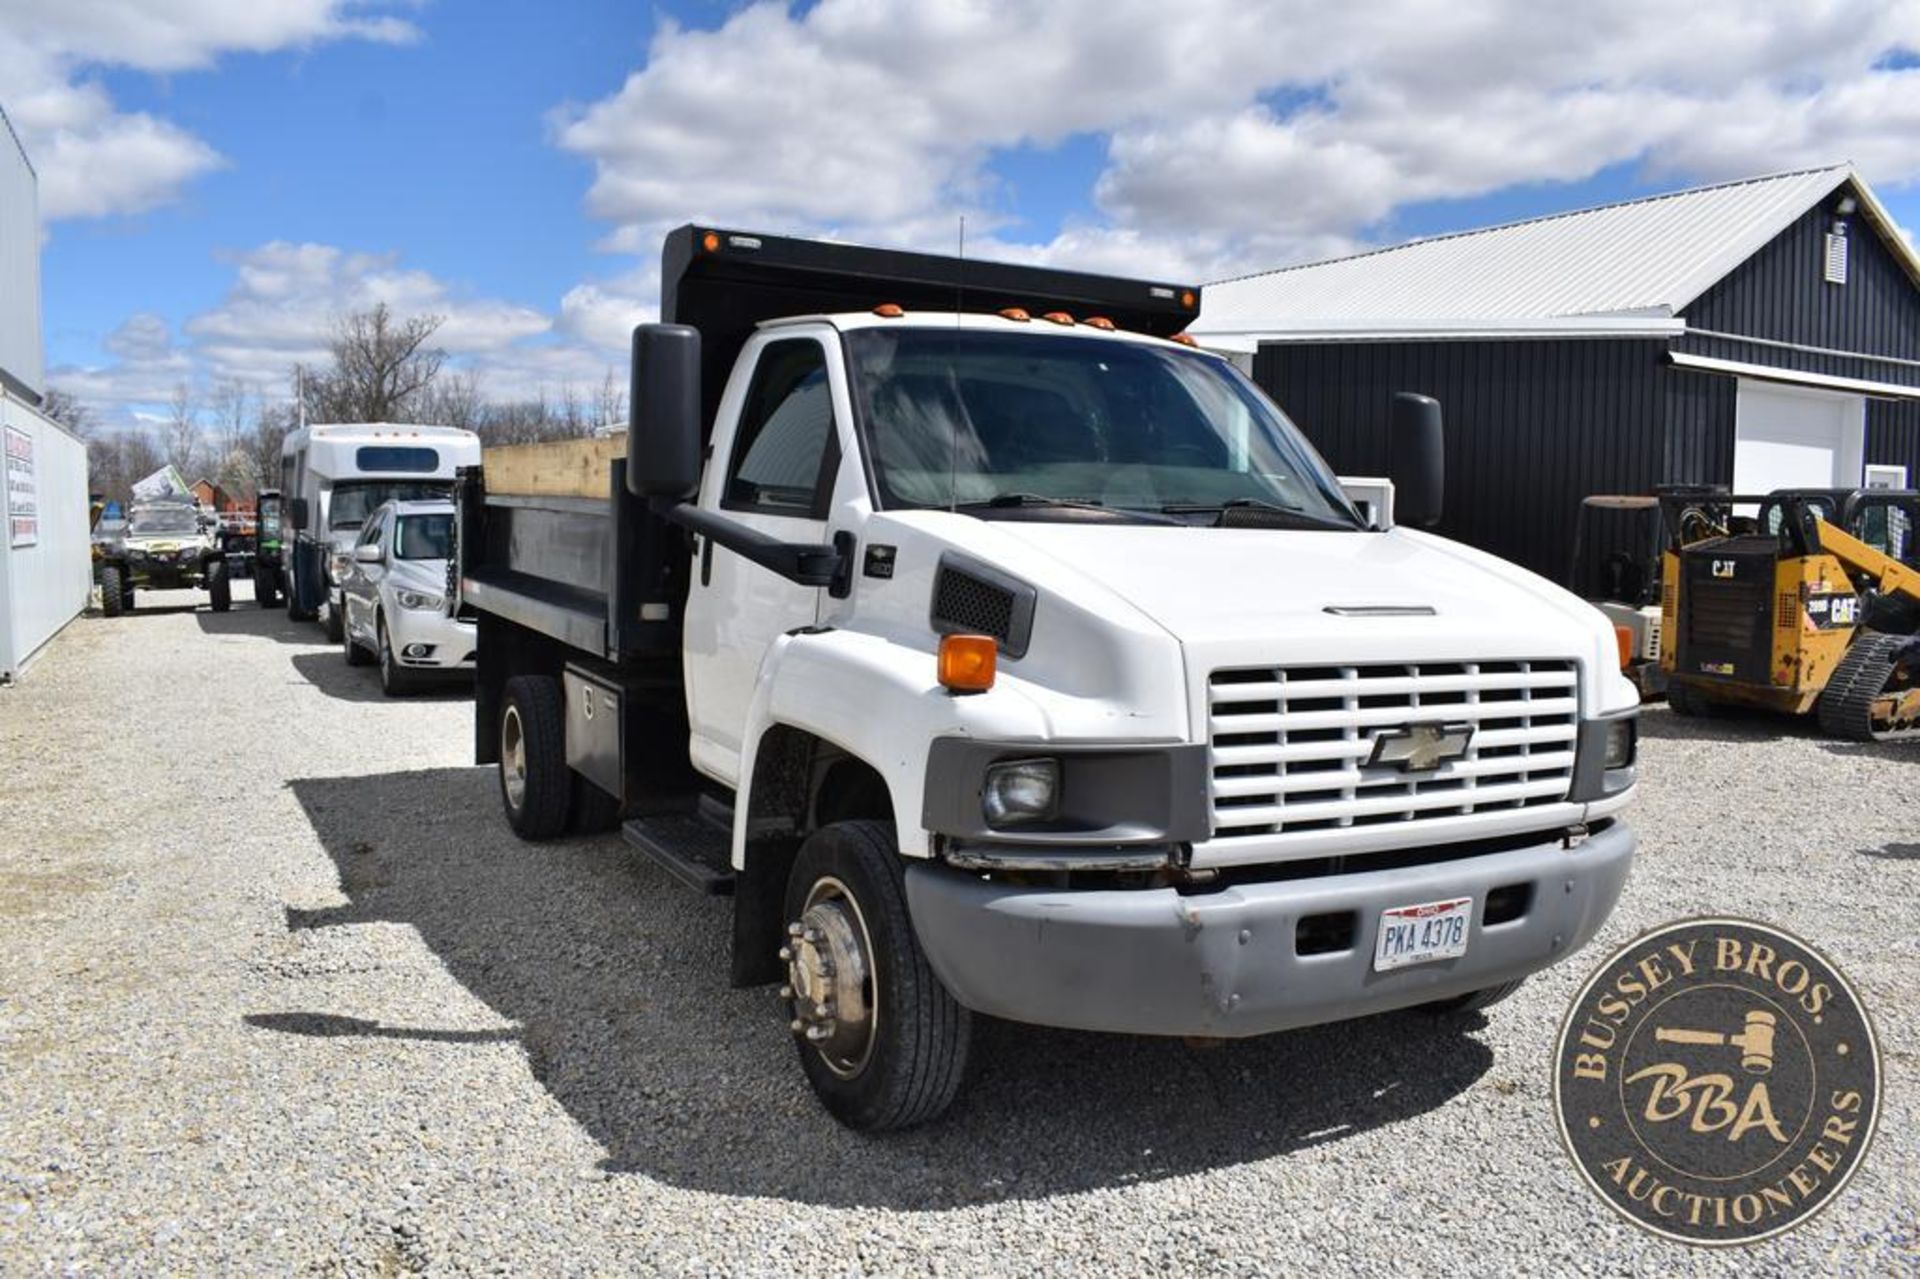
(831, 893)
(513, 757)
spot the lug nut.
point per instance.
(823, 1010)
(797, 1026)
(794, 930)
(786, 992)
(786, 955)
(816, 1033)
(810, 935)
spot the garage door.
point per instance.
(1785, 437)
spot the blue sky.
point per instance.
(219, 187)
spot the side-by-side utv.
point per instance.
(1810, 604)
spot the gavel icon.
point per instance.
(1755, 1042)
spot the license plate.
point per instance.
(1422, 934)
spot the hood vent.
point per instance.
(973, 598)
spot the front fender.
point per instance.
(879, 702)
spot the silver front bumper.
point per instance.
(451, 643)
(1225, 963)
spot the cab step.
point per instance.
(691, 846)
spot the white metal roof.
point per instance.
(1618, 269)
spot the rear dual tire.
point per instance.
(536, 786)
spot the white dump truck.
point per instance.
(1000, 653)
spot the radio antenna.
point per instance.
(953, 427)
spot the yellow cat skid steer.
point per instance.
(1812, 605)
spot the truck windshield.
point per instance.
(423, 537)
(991, 420)
(354, 500)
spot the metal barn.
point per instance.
(1759, 334)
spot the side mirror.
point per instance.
(1417, 459)
(367, 553)
(297, 514)
(663, 435)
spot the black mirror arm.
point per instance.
(804, 563)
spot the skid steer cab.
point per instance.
(1798, 601)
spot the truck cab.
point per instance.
(1020, 660)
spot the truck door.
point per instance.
(774, 471)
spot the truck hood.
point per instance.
(1246, 595)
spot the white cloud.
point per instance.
(95, 160)
(281, 309)
(1239, 135)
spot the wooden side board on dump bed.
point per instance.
(558, 468)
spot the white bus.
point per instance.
(333, 476)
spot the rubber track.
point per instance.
(1846, 705)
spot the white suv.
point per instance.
(394, 593)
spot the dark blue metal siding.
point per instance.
(1532, 427)
(1781, 294)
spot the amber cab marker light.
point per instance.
(1015, 313)
(710, 242)
(1099, 322)
(967, 662)
(1184, 339)
(889, 310)
(1058, 317)
(1187, 299)
(1624, 638)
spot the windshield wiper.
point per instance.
(1263, 514)
(1040, 501)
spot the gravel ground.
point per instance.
(278, 990)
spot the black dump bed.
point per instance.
(588, 564)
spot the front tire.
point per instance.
(113, 592)
(395, 679)
(880, 1039)
(219, 586)
(536, 786)
(330, 622)
(355, 655)
(263, 593)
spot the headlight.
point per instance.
(414, 599)
(1622, 742)
(337, 566)
(1021, 790)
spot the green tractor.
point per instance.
(268, 571)
(165, 546)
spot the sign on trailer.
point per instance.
(23, 490)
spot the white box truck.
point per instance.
(1000, 653)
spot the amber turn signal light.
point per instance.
(889, 310)
(710, 242)
(967, 662)
(1624, 638)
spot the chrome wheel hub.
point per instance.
(513, 757)
(830, 977)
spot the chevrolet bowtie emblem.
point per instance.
(1420, 748)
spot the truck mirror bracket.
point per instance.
(803, 563)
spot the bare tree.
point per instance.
(118, 460)
(270, 427)
(68, 411)
(453, 400)
(610, 406)
(379, 367)
(180, 436)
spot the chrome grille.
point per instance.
(1290, 744)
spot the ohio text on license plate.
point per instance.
(1421, 934)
